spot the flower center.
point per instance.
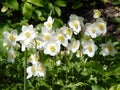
(33, 69)
(92, 30)
(52, 48)
(11, 55)
(74, 45)
(41, 69)
(12, 37)
(87, 38)
(47, 37)
(100, 26)
(75, 24)
(89, 48)
(27, 34)
(109, 47)
(60, 38)
(49, 25)
(68, 31)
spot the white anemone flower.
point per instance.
(38, 70)
(101, 26)
(10, 38)
(75, 23)
(37, 43)
(46, 34)
(73, 45)
(108, 49)
(86, 40)
(11, 55)
(91, 30)
(51, 47)
(67, 31)
(97, 13)
(89, 49)
(48, 24)
(26, 36)
(33, 59)
(28, 33)
(60, 37)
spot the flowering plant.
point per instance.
(76, 55)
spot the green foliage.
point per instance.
(12, 4)
(27, 10)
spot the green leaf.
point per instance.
(115, 87)
(97, 87)
(95, 67)
(13, 4)
(57, 23)
(57, 9)
(39, 3)
(60, 3)
(116, 2)
(117, 19)
(114, 70)
(27, 10)
(77, 5)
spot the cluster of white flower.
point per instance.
(50, 41)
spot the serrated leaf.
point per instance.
(97, 87)
(60, 3)
(13, 4)
(27, 10)
(36, 2)
(115, 87)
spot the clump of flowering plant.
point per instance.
(62, 51)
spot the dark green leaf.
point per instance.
(116, 2)
(60, 3)
(77, 5)
(117, 19)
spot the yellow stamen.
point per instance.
(52, 48)
(110, 48)
(12, 37)
(41, 69)
(11, 55)
(47, 37)
(89, 48)
(33, 69)
(75, 24)
(27, 34)
(100, 26)
(68, 31)
(92, 30)
(49, 25)
(60, 38)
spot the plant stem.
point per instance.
(25, 66)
